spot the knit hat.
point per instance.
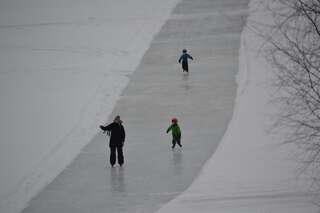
(174, 120)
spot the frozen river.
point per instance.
(158, 90)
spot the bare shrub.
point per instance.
(294, 52)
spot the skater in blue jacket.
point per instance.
(184, 59)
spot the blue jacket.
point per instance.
(184, 57)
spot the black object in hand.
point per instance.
(102, 128)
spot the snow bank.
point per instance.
(63, 66)
(249, 172)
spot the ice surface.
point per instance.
(158, 90)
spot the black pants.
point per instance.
(176, 140)
(185, 66)
(113, 154)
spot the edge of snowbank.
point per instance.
(247, 173)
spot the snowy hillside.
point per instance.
(63, 65)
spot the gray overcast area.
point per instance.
(202, 101)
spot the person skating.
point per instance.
(176, 132)
(184, 60)
(117, 137)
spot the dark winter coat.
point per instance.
(184, 58)
(117, 134)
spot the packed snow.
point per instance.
(63, 66)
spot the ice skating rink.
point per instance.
(202, 100)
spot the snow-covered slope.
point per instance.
(63, 66)
(249, 171)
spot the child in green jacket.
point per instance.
(176, 132)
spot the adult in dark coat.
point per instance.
(117, 137)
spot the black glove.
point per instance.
(103, 128)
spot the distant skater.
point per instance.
(184, 60)
(176, 132)
(117, 136)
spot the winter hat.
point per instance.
(174, 120)
(117, 118)
(184, 50)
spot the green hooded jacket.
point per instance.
(175, 129)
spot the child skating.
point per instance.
(184, 60)
(176, 132)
